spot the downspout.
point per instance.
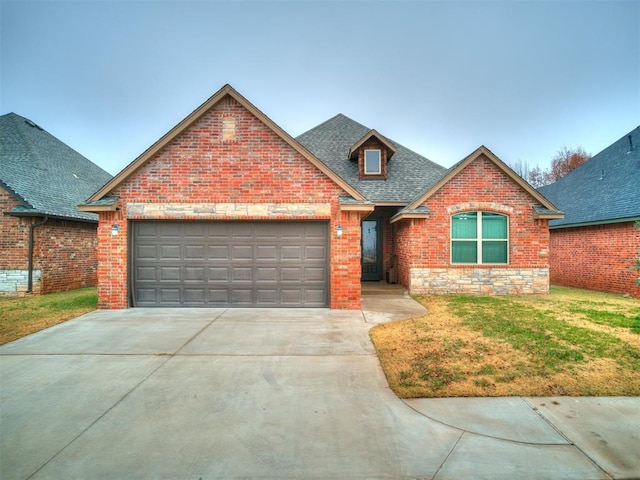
(31, 240)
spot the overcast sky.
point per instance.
(110, 77)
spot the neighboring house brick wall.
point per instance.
(64, 254)
(597, 257)
(424, 245)
(14, 235)
(246, 165)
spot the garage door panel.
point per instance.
(169, 252)
(219, 274)
(242, 252)
(291, 274)
(312, 274)
(266, 253)
(291, 253)
(218, 252)
(170, 296)
(169, 229)
(195, 296)
(194, 274)
(194, 252)
(170, 274)
(146, 274)
(242, 274)
(266, 274)
(145, 251)
(230, 264)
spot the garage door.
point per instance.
(252, 264)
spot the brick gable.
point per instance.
(481, 185)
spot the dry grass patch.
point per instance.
(25, 315)
(570, 342)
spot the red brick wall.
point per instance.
(596, 257)
(64, 251)
(255, 166)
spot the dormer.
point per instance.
(372, 152)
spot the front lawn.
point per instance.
(570, 342)
(25, 315)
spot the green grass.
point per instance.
(551, 342)
(25, 315)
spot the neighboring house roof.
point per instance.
(409, 173)
(47, 176)
(96, 202)
(604, 189)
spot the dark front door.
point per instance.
(372, 249)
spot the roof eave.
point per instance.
(407, 215)
(37, 213)
(595, 222)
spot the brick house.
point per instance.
(594, 246)
(46, 244)
(227, 209)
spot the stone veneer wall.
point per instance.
(475, 280)
(14, 282)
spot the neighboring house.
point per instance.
(595, 245)
(227, 209)
(46, 244)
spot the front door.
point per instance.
(372, 249)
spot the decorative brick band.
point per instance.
(228, 210)
(484, 281)
(14, 282)
(484, 206)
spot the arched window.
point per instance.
(479, 238)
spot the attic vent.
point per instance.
(228, 129)
(630, 144)
(32, 125)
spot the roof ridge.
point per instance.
(338, 115)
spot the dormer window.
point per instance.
(372, 162)
(372, 152)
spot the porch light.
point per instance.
(115, 229)
(339, 231)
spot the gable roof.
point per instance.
(408, 174)
(604, 189)
(372, 134)
(414, 208)
(47, 176)
(101, 201)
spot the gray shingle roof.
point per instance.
(42, 172)
(604, 189)
(409, 174)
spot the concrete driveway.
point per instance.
(240, 393)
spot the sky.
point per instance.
(523, 78)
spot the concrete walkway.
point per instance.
(240, 393)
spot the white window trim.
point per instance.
(478, 238)
(379, 172)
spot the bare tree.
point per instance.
(564, 161)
